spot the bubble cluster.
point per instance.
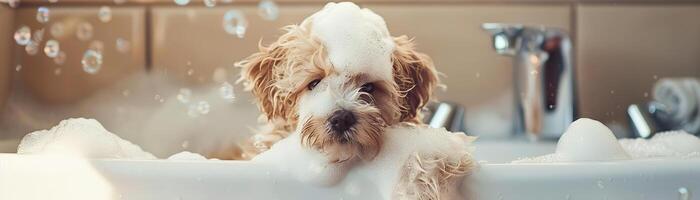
(235, 23)
(210, 3)
(42, 14)
(92, 61)
(52, 48)
(182, 2)
(123, 45)
(203, 107)
(105, 14)
(268, 10)
(227, 93)
(23, 35)
(84, 31)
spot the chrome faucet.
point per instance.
(543, 77)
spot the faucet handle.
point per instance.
(505, 36)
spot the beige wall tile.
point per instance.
(194, 39)
(72, 84)
(6, 44)
(624, 49)
(451, 34)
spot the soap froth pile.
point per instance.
(356, 39)
(590, 140)
(83, 137)
(87, 138)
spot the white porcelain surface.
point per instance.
(162, 179)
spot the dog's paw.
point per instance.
(433, 177)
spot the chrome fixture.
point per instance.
(444, 114)
(543, 77)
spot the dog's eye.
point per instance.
(313, 84)
(367, 87)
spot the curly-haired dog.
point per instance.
(340, 80)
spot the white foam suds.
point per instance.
(83, 137)
(679, 144)
(379, 175)
(186, 155)
(357, 40)
(590, 140)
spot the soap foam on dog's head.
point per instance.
(357, 40)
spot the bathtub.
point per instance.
(39, 177)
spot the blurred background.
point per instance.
(160, 72)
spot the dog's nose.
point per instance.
(342, 120)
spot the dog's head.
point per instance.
(339, 78)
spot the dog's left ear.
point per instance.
(258, 76)
(415, 75)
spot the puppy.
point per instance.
(340, 80)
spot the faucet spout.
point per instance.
(543, 77)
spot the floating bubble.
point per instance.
(42, 14)
(57, 71)
(203, 107)
(52, 48)
(18, 67)
(158, 98)
(184, 95)
(683, 193)
(182, 2)
(235, 23)
(123, 45)
(226, 91)
(23, 35)
(57, 30)
(84, 31)
(32, 48)
(190, 72)
(105, 14)
(268, 10)
(210, 3)
(92, 61)
(126, 92)
(60, 58)
(97, 45)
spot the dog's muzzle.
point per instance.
(341, 121)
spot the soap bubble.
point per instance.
(84, 32)
(184, 95)
(57, 71)
(203, 107)
(92, 61)
(32, 48)
(42, 14)
(182, 2)
(60, 58)
(235, 23)
(123, 45)
(105, 14)
(18, 68)
(23, 35)
(190, 72)
(97, 45)
(38, 36)
(226, 91)
(57, 30)
(267, 9)
(52, 48)
(210, 3)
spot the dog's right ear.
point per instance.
(257, 75)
